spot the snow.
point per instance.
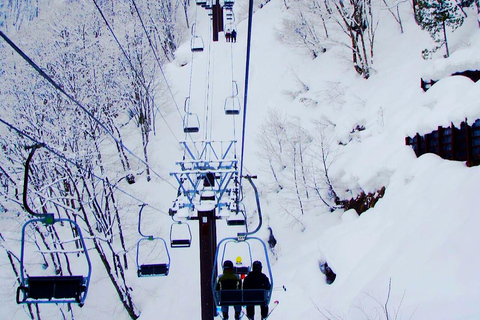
(422, 235)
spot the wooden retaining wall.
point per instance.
(452, 143)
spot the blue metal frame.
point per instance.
(188, 127)
(240, 292)
(24, 283)
(164, 269)
(236, 241)
(183, 243)
(151, 238)
(195, 169)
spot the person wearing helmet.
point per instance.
(240, 269)
(257, 280)
(229, 281)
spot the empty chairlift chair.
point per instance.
(238, 217)
(53, 288)
(232, 104)
(196, 44)
(43, 265)
(157, 261)
(180, 235)
(191, 123)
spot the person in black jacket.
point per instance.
(256, 280)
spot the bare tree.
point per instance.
(311, 22)
(394, 10)
(356, 20)
(303, 28)
(81, 57)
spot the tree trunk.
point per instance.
(477, 3)
(295, 178)
(445, 38)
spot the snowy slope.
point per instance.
(421, 235)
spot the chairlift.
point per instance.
(241, 297)
(201, 2)
(232, 106)
(35, 287)
(191, 122)
(228, 4)
(238, 217)
(157, 261)
(230, 18)
(180, 235)
(196, 44)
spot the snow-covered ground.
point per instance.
(421, 238)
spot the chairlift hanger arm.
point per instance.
(260, 219)
(140, 221)
(47, 217)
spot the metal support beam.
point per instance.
(217, 19)
(208, 246)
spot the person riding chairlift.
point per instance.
(239, 265)
(228, 34)
(257, 280)
(229, 281)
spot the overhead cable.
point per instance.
(59, 88)
(247, 69)
(156, 57)
(132, 67)
(58, 154)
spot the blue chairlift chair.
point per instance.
(242, 297)
(157, 266)
(57, 288)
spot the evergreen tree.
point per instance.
(435, 15)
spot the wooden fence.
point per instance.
(452, 143)
(473, 75)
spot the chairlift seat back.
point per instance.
(52, 287)
(245, 297)
(180, 243)
(196, 44)
(241, 270)
(146, 270)
(232, 105)
(192, 129)
(232, 112)
(236, 222)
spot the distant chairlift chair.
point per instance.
(232, 104)
(196, 44)
(191, 122)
